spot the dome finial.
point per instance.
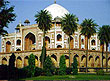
(55, 1)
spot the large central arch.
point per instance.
(30, 41)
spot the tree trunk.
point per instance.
(86, 53)
(106, 57)
(43, 48)
(69, 51)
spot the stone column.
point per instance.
(22, 61)
(58, 59)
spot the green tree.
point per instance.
(43, 50)
(31, 68)
(74, 66)
(6, 16)
(69, 26)
(11, 71)
(48, 66)
(88, 29)
(43, 18)
(62, 69)
(12, 60)
(104, 37)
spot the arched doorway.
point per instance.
(91, 61)
(8, 46)
(4, 61)
(83, 61)
(104, 61)
(77, 57)
(67, 60)
(36, 61)
(26, 61)
(97, 61)
(47, 42)
(30, 41)
(19, 62)
(54, 60)
(109, 62)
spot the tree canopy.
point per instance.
(6, 16)
(88, 27)
(69, 24)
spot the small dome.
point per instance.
(56, 10)
(27, 21)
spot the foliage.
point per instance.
(71, 77)
(88, 27)
(38, 71)
(104, 37)
(68, 71)
(56, 71)
(104, 33)
(69, 26)
(8, 73)
(62, 69)
(41, 57)
(6, 16)
(100, 72)
(74, 66)
(44, 20)
(12, 60)
(48, 66)
(31, 62)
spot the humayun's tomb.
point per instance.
(28, 39)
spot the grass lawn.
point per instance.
(71, 77)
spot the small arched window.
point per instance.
(18, 42)
(59, 46)
(59, 37)
(93, 42)
(82, 41)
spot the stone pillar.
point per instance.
(8, 60)
(58, 59)
(79, 60)
(22, 61)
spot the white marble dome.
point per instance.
(56, 10)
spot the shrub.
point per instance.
(38, 71)
(12, 60)
(31, 68)
(23, 72)
(74, 66)
(68, 70)
(56, 71)
(8, 73)
(100, 72)
(62, 69)
(48, 66)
